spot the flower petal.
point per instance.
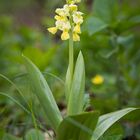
(65, 35)
(52, 30)
(76, 37)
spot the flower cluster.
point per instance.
(68, 20)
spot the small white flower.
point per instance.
(66, 10)
(77, 17)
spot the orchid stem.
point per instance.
(71, 55)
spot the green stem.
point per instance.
(69, 75)
(71, 51)
(71, 56)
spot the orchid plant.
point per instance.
(77, 124)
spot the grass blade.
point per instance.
(12, 83)
(15, 101)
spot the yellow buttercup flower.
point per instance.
(97, 80)
(52, 30)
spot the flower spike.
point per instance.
(68, 19)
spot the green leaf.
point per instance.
(15, 101)
(34, 135)
(116, 131)
(76, 97)
(114, 137)
(126, 41)
(107, 120)
(94, 25)
(106, 10)
(78, 127)
(10, 137)
(128, 23)
(15, 86)
(44, 94)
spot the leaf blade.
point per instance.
(78, 127)
(44, 94)
(106, 10)
(107, 120)
(34, 134)
(76, 97)
(95, 25)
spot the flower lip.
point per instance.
(52, 30)
(65, 35)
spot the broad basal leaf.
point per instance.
(44, 94)
(78, 127)
(76, 97)
(107, 120)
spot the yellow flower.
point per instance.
(60, 17)
(97, 80)
(52, 30)
(60, 11)
(67, 17)
(65, 35)
(73, 7)
(63, 25)
(77, 29)
(76, 37)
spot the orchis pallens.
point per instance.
(68, 19)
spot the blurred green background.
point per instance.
(110, 44)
